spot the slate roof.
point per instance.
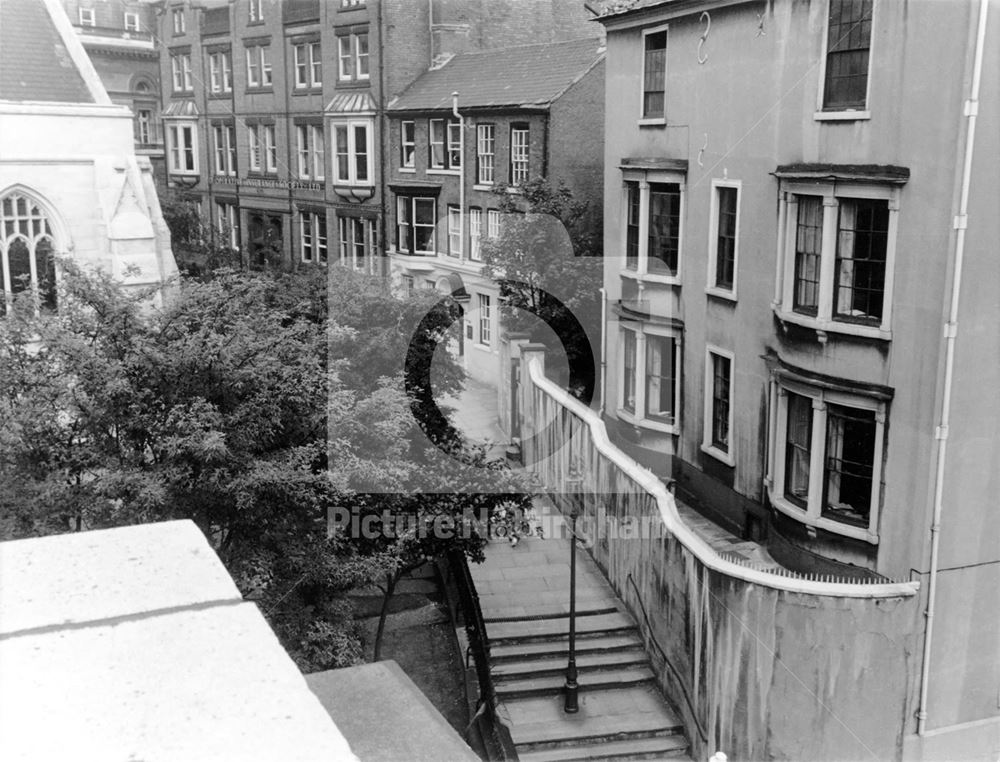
(34, 62)
(526, 75)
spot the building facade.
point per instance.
(94, 199)
(274, 112)
(788, 218)
(120, 38)
(483, 123)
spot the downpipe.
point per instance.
(971, 110)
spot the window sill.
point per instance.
(834, 527)
(483, 187)
(842, 116)
(352, 83)
(259, 89)
(311, 90)
(221, 95)
(667, 280)
(483, 347)
(646, 423)
(719, 455)
(823, 327)
(653, 121)
(416, 262)
(407, 170)
(439, 171)
(718, 293)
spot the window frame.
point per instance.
(821, 399)
(484, 334)
(180, 71)
(408, 145)
(256, 12)
(130, 20)
(259, 58)
(637, 415)
(475, 233)
(492, 224)
(224, 149)
(825, 322)
(270, 143)
(446, 166)
(515, 168)
(90, 19)
(412, 225)
(644, 118)
(708, 445)
(227, 222)
(220, 72)
(314, 244)
(482, 140)
(645, 179)
(842, 113)
(178, 21)
(350, 58)
(351, 125)
(32, 227)
(310, 151)
(177, 149)
(305, 58)
(455, 247)
(712, 286)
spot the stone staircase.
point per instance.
(524, 594)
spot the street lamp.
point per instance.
(572, 482)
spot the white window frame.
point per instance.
(408, 147)
(87, 17)
(131, 21)
(454, 231)
(227, 221)
(313, 247)
(178, 148)
(823, 322)
(179, 22)
(843, 114)
(475, 233)
(402, 200)
(453, 144)
(308, 65)
(713, 240)
(485, 153)
(144, 126)
(352, 152)
(707, 446)
(520, 154)
(224, 150)
(639, 417)
(492, 224)
(362, 61)
(811, 515)
(259, 72)
(270, 149)
(256, 11)
(255, 145)
(220, 73)
(180, 69)
(348, 228)
(352, 64)
(645, 179)
(485, 309)
(652, 120)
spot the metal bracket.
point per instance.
(707, 19)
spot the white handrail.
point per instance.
(687, 537)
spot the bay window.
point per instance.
(836, 257)
(352, 146)
(653, 208)
(650, 388)
(826, 457)
(182, 138)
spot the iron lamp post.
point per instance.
(572, 688)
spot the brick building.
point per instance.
(120, 38)
(274, 111)
(482, 121)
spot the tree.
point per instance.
(547, 260)
(237, 406)
(199, 248)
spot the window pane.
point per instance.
(859, 279)
(850, 459)
(660, 377)
(628, 380)
(654, 74)
(808, 245)
(848, 43)
(725, 253)
(664, 227)
(632, 229)
(361, 153)
(721, 370)
(343, 152)
(798, 443)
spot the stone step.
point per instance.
(549, 629)
(579, 730)
(653, 747)
(545, 685)
(550, 612)
(543, 649)
(556, 665)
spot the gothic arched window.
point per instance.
(26, 252)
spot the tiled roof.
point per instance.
(179, 108)
(609, 8)
(527, 75)
(34, 62)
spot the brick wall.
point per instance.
(576, 144)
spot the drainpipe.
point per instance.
(461, 174)
(971, 110)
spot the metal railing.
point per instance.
(495, 733)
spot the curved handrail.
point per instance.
(685, 535)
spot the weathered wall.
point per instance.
(758, 668)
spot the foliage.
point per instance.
(198, 248)
(250, 403)
(548, 262)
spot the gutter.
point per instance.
(461, 175)
(970, 112)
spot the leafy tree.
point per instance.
(199, 249)
(547, 260)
